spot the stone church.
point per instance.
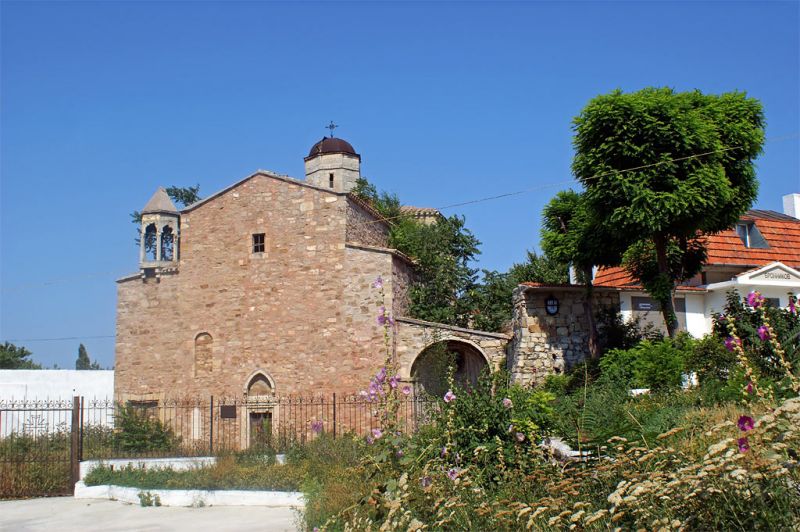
(266, 288)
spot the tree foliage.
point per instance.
(83, 361)
(16, 357)
(385, 203)
(667, 167)
(445, 278)
(571, 234)
(492, 298)
(447, 288)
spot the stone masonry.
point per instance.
(544, 344)
(302, 311)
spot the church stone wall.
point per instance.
(364, 228)
(544, 344)
(288, 311)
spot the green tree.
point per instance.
(83, 361)
(385, 203)
(665, 167)
(16, 357)
(445, 279)
(571, 234)
(443, 290)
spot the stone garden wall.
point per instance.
(545, 344)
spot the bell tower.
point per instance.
(333, 163)
(159, 232)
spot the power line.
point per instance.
(596, 176)
(23, 286)
(59, 339)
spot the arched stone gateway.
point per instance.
(474, 350)
(429, 370)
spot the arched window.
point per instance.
(259, 384)
(203, 361)
(150, 235)
(167, 243)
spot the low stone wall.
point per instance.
(194, 498)
(545, 344)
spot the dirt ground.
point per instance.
(67, 514)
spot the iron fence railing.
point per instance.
(42, 442)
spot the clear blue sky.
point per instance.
(447, 102)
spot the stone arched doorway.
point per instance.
(259, 397)
(429, 370)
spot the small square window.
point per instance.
(258, 243)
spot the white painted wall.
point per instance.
(41, 384)
(696, 323)
(39, 401)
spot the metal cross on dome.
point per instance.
(331, 126)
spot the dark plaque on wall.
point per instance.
(227, 411)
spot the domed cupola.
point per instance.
(333, 163)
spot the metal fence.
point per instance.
(43, 442)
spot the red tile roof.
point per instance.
(781, 232)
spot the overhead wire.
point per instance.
(453, 205)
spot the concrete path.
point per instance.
(68, 514)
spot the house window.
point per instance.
(258, 243)
(750, 235)
(330, 180)
(774, 302)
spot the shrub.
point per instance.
(785, 323)
(655, 365)
(139, 431)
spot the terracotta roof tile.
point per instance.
(781, 232)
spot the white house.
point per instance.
(761, 253)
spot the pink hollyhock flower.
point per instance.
(378, 283)
(370, 440)
(792, 305)
(507, 403)
(394, 381)
(381, 376)
(316, 426)
(749, 387)
(763, 333)
(399, 453)
(754, 299)
(449, 396)
(519, 436)
(406, 390)
(731, 343)
(374, 389)
(377, 433)
(743, 445)
(452, 473)
(745, 423)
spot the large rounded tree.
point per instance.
(665, 167)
